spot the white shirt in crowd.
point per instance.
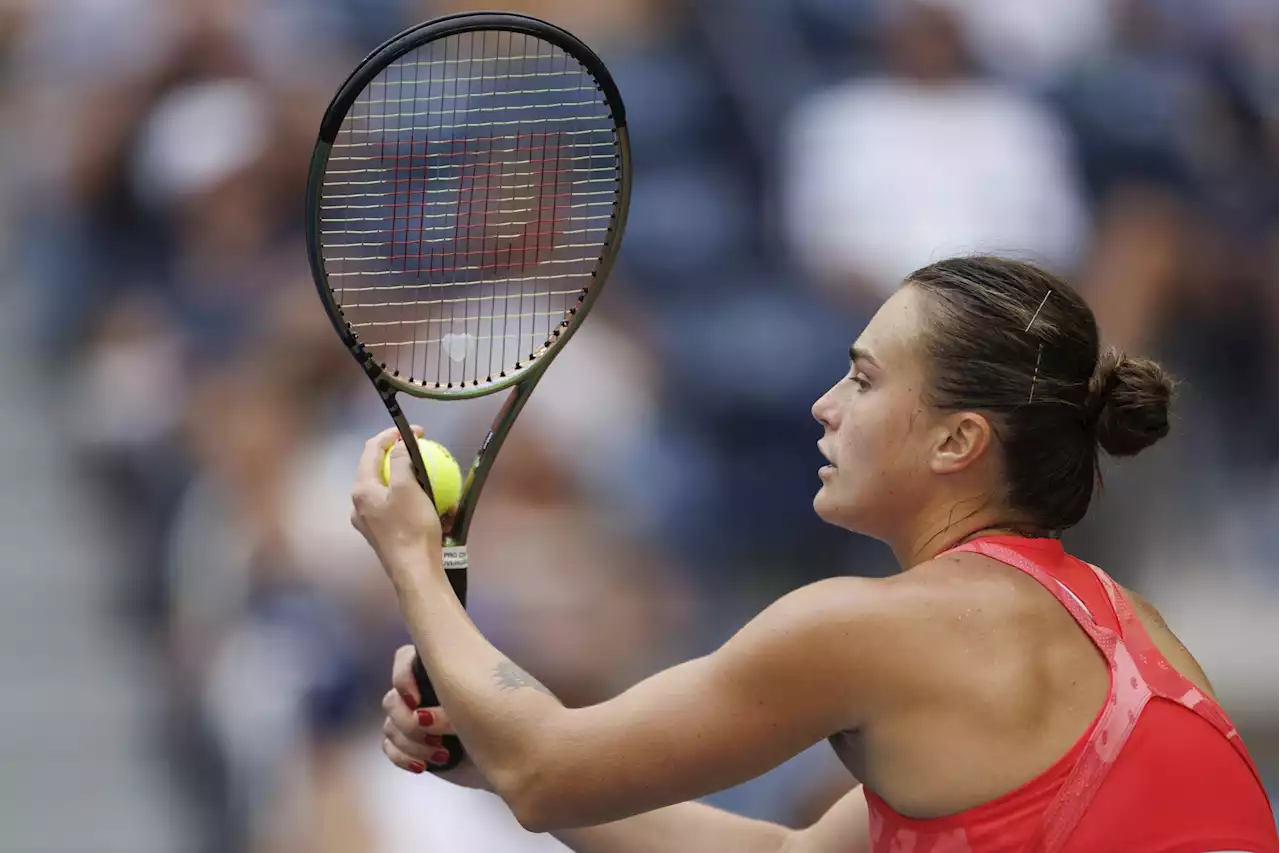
(885, 176)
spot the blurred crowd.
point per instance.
(794, 159)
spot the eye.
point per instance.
(861, 380)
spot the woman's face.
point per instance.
(879, 433)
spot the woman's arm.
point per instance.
(809, 666)
(796, 674)
(683, 828)
(695, 828)
(845, 828)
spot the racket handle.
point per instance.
(430, 700)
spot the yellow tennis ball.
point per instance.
(442, 471)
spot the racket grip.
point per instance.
(429, 700)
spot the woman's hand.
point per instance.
(398, 520)
(411, 735)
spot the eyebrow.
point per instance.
(856, 353)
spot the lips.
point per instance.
(826, 457)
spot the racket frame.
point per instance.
(526, 376)
(522, 380)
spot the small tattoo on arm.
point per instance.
(511, 677)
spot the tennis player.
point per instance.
(995, 695)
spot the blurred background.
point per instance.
(194, 643)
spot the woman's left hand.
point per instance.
(411, 736)
(398, 520)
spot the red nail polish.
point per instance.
(440, 756)
(425, 717)
(433, 740)
(417, 767)
(408, 701)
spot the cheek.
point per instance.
(873, 432)
(881, 452)
(870, 450)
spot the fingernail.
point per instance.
(417, 767)
(433, 740)
(440, 756)
(425, 717)
(408, 701)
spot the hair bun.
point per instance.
(1129, 403)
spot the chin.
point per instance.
(847, 511)
(830, 510)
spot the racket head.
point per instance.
(466, 199)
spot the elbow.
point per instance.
(543, 786)
(536, 819)
(528, 796)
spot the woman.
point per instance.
(996, 695)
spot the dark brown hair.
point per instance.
(1009, 340)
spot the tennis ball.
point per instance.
(442, 471)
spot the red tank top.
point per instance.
(1161, 769)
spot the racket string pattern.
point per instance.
(465, 202)
(468, 199)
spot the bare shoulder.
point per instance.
(832, 615)
(1167, 642)
(965, 608)
(965, 583)
(855, 604)
(1146, 611)
(877, 647)
(833, 598)
(851, 633)
(1151, 619)
(885, 627)
(950, 585)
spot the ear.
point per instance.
(963, 437)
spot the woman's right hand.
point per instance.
(411, 736)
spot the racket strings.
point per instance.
(464, 211)
(476, 299)
(566, 232)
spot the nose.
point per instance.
(823, 411)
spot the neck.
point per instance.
(942, 531)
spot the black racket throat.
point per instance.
(466, 199)
(408, 436)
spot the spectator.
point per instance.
(888, 173)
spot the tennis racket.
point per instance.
(466, 199)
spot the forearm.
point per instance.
(673, 738)
(683, 828)
(496, 708)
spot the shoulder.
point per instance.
(958, 610)
(944, 586)
(865, 645)
(876, 627)
(834, 650)
(820, 622)
(962, 584)
(1146, 611)
(847, 605)
(1167, 642)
